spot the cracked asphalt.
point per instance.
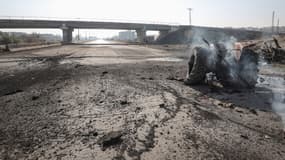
(118, 103)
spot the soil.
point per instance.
(115, 102)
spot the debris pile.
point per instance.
(231, 67)
(272, 51)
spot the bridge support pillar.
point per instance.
(67, 35)
(163, 33)
(141, 35)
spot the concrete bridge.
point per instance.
(168, 33)
(67, 26)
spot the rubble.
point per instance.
(272, 51)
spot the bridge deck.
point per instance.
(18, 23)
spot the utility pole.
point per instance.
(278, 26)
(273, 16)
(78, 38)
(190, 18)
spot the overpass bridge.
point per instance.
(67, 26)
(168, 33)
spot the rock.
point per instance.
(162, 105)
(138, 109)
(180, 79)
(170, 78)
(35, 97)
(124, 102)
(175, 79)
(92, 133)
(239, 110)
(105, 72)
(244, 136)
(77, 65)
(110, 139)
(253, 111)
(266, 137)
(217, 103)
(229, 105)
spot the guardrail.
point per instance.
(85, 19)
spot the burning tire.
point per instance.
(197, 68)
(229, 71)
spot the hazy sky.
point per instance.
(221, 13)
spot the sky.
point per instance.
(216, 13)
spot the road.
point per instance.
(127, 102)
(102, 41)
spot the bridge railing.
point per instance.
(85, 19)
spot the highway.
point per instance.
(111, 102)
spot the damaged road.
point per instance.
(112, 102)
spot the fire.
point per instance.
(237, 48)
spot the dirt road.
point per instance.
(127, 102)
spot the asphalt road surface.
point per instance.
(127, 102)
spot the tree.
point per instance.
(6, 39)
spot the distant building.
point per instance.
(127, 36)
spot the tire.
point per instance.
(197, 68)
